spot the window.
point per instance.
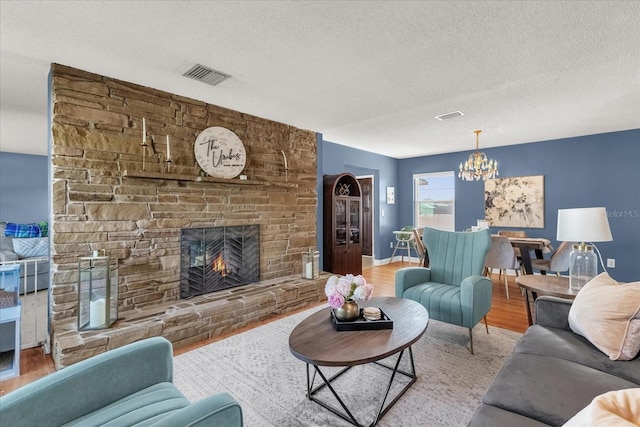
(434, 200)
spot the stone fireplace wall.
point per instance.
(102, 198)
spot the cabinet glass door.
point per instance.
(354, 221)
(341, 222)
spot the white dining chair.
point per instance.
(502, 256)
(558, 262)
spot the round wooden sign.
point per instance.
(219, 152)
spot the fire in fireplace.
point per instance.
(216, 258)
(220, 266)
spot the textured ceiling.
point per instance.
(371, 75)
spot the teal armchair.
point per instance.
(452, 289)
(129, 386)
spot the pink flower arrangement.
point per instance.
(345, 288)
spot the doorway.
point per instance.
(366, 189)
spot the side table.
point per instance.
(547, 285)
(10, 317)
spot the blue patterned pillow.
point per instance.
(22, 230)
(31, 247)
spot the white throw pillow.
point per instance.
(608, 315)
(619, 408)
(31, 247)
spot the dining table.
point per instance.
(539, 245)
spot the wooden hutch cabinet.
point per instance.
(342, 252)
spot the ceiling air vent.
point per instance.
(206, 75)
(450, 115)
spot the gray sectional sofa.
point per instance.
(552, 374)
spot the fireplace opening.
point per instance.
(216, 258)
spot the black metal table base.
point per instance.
(345, 414)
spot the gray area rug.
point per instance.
(258, 370)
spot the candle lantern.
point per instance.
(97, 291)
(310, 264)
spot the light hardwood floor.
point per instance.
(507, 314)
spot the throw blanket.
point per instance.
(26, 230)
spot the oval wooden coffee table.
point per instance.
(317, 343)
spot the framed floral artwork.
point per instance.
(515, 202)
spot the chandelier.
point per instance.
(478, 166)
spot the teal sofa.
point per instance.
(452, 289)
(129, 386)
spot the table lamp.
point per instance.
(583, 225)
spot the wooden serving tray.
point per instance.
(362, 324)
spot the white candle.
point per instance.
(97, 311)
(168, 148)
(144, 130)
(308, 274)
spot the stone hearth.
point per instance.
(190, 321)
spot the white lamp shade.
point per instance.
(583, 225)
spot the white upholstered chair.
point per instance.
(513, 233)
(502, 256)
(558, 262)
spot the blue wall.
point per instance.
(335, 159)
(594, 170)
(23, 188)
